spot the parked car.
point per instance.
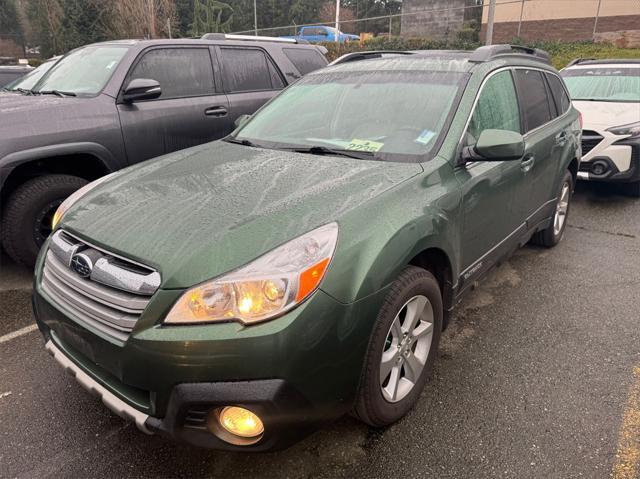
(306, 265)
(25, 83)
(108, 105)
(321, 33)
(607, 93)
(10, 73)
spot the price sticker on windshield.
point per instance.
(364, 145)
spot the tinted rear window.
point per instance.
(305, 60)
(533, 98)
(559, 94)
(249, 69)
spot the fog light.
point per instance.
(240, 422)
(599, 168)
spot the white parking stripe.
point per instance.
(19, 332)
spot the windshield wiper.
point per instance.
(57, 92)
(323, 150)
(241, 141)
(24, 91)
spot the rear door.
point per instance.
(190, 110)
(491, 220)
(545, 139)
(250, 78)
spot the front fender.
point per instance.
(14, 159)
(380, 238)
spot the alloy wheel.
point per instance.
(561, 209)
(406, 348)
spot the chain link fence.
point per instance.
(616, 21)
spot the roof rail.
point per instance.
(355, 56)
(250, 38)
(575, 61)
(489, 52)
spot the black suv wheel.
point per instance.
(27, 215)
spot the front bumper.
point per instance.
(296, 372)
(612, 160)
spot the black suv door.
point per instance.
(250, 78)
(190, 110)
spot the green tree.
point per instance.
(9, 21)
(211, 16)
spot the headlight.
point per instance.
(264, 288)
(632, 129)
(75, 196)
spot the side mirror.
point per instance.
(141, 89)
(495, 145)
(241, 120)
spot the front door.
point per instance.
(491, 221)
(189, 111)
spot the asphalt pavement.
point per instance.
(538, 376)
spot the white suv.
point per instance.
(607, 94)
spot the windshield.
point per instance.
(83, 72)
(30, 79)
(390, 115)
(620, 84)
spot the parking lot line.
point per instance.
(627, 464)
(18, 333)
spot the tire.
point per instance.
(633, 189)
(375, 404)
(552, 235)
(28, 212)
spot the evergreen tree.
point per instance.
(9, 22)
(211, 16)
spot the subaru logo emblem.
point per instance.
(81, 264)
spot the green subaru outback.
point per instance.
(240, 294)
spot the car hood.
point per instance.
(607, 114)
(26, 121)
(201, 212)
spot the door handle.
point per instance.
(561, 138)
(527, 163)
(216, 111)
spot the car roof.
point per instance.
(579, 62)
(442, 60)
(220, 39)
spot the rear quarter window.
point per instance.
(305, 60)
(560, 96)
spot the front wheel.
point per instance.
(402, 348)
(26, 219)
(552, 235)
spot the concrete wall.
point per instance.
(446, 19)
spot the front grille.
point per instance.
(590, 140)
(111, 297)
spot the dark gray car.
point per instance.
(108, 105)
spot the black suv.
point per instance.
(108, 105)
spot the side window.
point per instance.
(248, 69)
(559, 93)
(497, 107)
(181, 72)
(533, 98)
(305, 60)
